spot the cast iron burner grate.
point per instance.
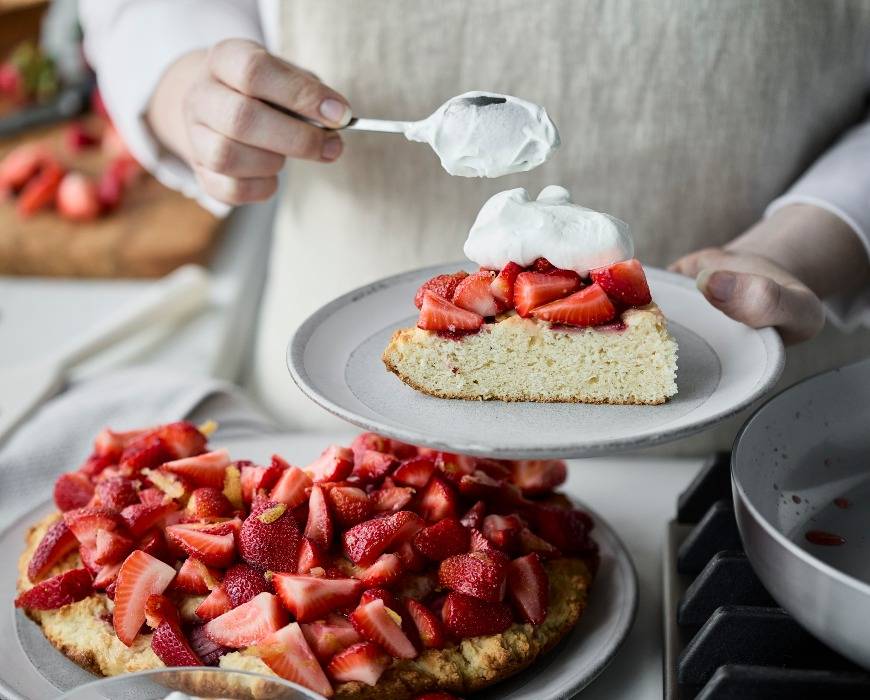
(725, 637)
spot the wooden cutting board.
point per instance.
(152, 232)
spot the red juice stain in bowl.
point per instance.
(824, 539)
(842, 503)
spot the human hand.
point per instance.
(210, 109)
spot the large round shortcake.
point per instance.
(379, 570)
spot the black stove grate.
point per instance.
(725, 637)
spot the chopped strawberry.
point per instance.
(334, 464)
(363, 662)
(57, 591)
(532, 289)
(474, 293)
(116, 493)
(310, 597)
(171, 646)
(196, 578)
(203, 470)
(503, 531)
(502, 287)
(110, 187)
(625, 282)
(158, 609)
(208, 502)
(365, 542)
(56, 543)
(148, 451)
(543, 265)
(319, 528)
(498, 469)
(328, 637)
(466, 616)
(380, 624)
(350, 504)
(564, 528)
(248, 623)
(41, 190)
(529, 588)
(290, 487)
(140, 518)
(141, 575)
(372, 466)
(151, 496)
(269, 538)
(215, 604)
(536, 477)
(474, 516)
(242, 583)
(384, 572)
(111, 547)
(453, 467)
(78, 137)
(588, 307)
(21, 164)
(73, 490)
(415, 471)
(217, 550)
(182, 438)
(106, 577)
(442, 285)
(288, 655)
(379, 593)
(530, 542)
(444, 539)
(154, 543)
(438, 314)
(438, 501)
(209, 651)
(311, 556)
(86, 522)
(77, 197)
(479, 574)
(392, 499)
(369, 441)
(429, 627)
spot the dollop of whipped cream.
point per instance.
(484, 134)
(512, 227)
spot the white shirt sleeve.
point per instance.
(839, 181)
(130, 43)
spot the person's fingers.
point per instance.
(251, 122)
(222, 155)
(759, 301)
(691, 264)
(247, 67)
(233, 190)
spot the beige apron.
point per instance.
(684, 118)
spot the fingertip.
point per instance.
(332, 148)
(336, 112)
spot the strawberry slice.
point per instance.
(415, 472)
(588, 307)
(625, 281)
(56, 543)
(310, 597)
(369, 441)
(442, 285)
(532, 289)
(438, 314)
(21, 164)
(86, 522)
(215, 604)
(153, 542)
(291, 487)
(57, 591)
(111, 547)
(536, 477)
(41, 190)
(287, 653)
(392, 499)
(365, 542)
(195, 578)
(411, 559)
(334, 464)
(140, 517)
(474, 293)
(269, 538)
(564, 528)
(502, 287)
(438, 501)
(543, 265)
(206, 469)
(474, 516)
(171, 646)
(466, 616)
(529, 588)
(248, 623)
(116, 493)
(386, 570)
(151, 496)
(372, 466)
(351, 505)
(363, 662)
(328, 637)
(242, 583)
(310, 557)
(530, 542)
(140, 576)
(429, 627)
(503, 531)
(208, 651)
(217, 550)
(256, 478)
(73, 490)
(77, 197)
(319, 527)
(444, 539)
(208, 502)
(378, 623)
(106, 576)
(479, 574)
(182, 438)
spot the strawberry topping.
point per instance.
(533, 289)
(438, 314)
(625, 282)
(442, 285)
(57, 591)
(588, 307)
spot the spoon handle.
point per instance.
(381, 125)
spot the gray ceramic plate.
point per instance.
(31, 669)
(335, 358)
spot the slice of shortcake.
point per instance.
(534, 331)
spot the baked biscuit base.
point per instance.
(83, 632)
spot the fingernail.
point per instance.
(335, 111)
(331, 148)
(717, 283)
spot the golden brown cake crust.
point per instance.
(82, 632)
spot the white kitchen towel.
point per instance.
(59, 436)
